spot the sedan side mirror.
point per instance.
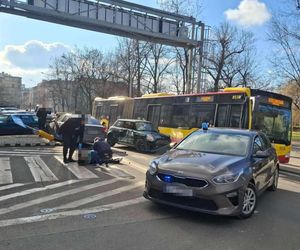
(261, 154)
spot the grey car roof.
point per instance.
(133, 120)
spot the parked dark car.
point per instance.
(92, 128)
(216, 171)
(137, 133)
(9, 127)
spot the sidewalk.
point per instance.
(294, 165)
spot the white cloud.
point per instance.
(30, 60)
(249, 13)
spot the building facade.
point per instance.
(10, 90)
(68, 96)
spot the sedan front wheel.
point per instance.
(249, 201)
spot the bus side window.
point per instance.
(181, 116)
(166, 115)
(202, 113)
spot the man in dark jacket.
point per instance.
(42, 115)
(72, 133)
(102, 151)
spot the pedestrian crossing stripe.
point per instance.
(5, 171)
(55, 196)
(64, 214)
(79, 171)
(39, 169)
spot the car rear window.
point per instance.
(93, 130)
(216, 143)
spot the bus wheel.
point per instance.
(142, 146)
(111, 140)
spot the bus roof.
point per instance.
(157, 94)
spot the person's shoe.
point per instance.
(71, 160)
(66, 161)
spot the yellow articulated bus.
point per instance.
(179, 115)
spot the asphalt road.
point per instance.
(88, 208)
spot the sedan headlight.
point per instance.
(227, 178)
(150, 137)
(153, 168)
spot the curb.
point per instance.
(291, 170)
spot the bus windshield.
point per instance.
(275, 122)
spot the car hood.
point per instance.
(193, 164)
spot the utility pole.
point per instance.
(190, 64)
(200, 63)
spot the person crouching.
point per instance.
(101, 151)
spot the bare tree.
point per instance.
(228, 45)
(156, 67)
(81, 75)
(130, 62)
(284, 34)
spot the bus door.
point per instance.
(113, 113)
(154, 115)
(98, 112)
(222, 115)
(235, 116)
(229, 115)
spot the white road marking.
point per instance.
(5, 171)
(78, 171)
(55, 196)
(34, 190)
(11, 186)
(39, 169)
(97, 197)
(135, 165)
(115, 171)
(292, 186)
(64, 214)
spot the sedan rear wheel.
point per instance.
(249, 201)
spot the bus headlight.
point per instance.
(153, 168)
(150, 137)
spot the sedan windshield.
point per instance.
(216, 143)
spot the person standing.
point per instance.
(72, 134)
(42, 115)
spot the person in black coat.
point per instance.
(42, 115)
(72, 133)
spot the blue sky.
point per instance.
(27, 46)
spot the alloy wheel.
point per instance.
(249, 201)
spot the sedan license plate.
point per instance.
(176, 190)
